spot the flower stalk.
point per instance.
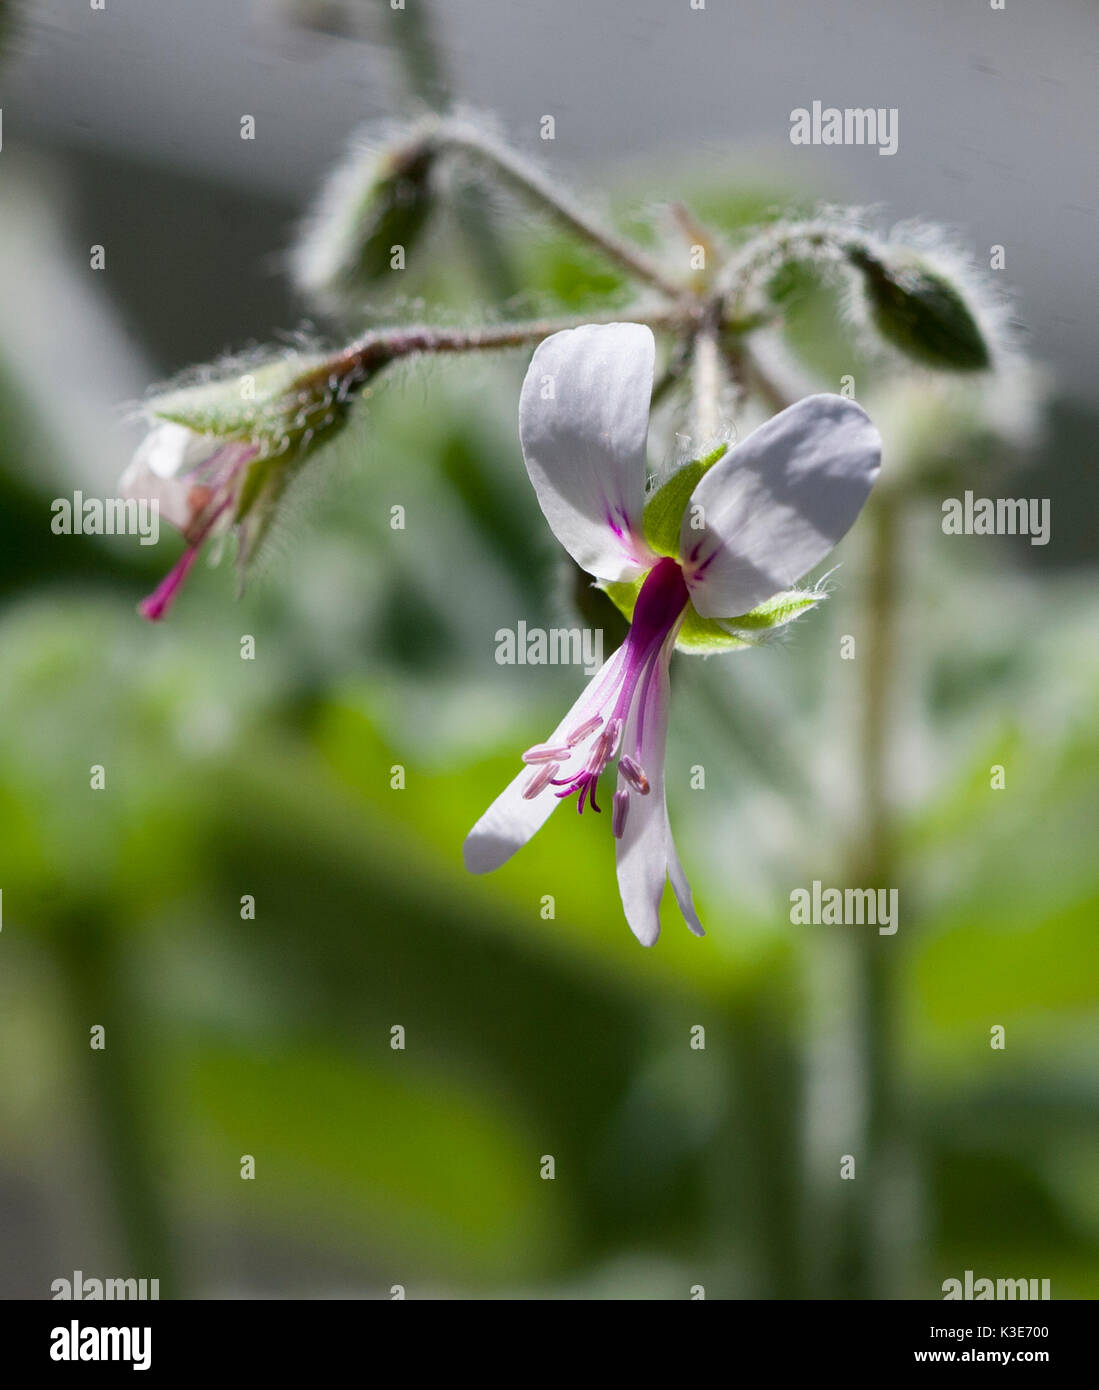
(535, 188)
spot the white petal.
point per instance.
(172, 497)
(642, 857)
(585, 446)
(680, 886)
(170, 449)
(511, 820)
(776, 504)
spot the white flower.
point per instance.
(756, 521)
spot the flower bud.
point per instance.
(917, 310)
(219, 454)
(376, 203)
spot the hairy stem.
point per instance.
(707, 380)
(750, 378)
(871, 1265)
(376, 349)
(541, 191)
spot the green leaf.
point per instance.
(664, 509)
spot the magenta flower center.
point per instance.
(659, 609)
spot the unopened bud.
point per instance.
(219, 454)
(918, 311)
(369, 216)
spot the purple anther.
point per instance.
(544, 754)
(634, 775)
(540, 780)
(580, 733)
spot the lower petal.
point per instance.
(680, 886)
(512, 820)
(646, 850)
(642, 859)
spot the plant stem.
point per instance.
(376, 349)
(117, 1086)
(816, 239)
(853, 1227)
(707, 383)
(532, 185)
(750, 377)
(873, 864)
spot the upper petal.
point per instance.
(511, 820)
(583, 424)
(775, 505)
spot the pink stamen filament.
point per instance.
(660, 606)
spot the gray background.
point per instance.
(997, 125)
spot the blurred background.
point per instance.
(676, 1167)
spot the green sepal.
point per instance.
(265, 480)
(705, 636)
(253, 520)
(263, 403)
(623, 594)
(663, 516)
